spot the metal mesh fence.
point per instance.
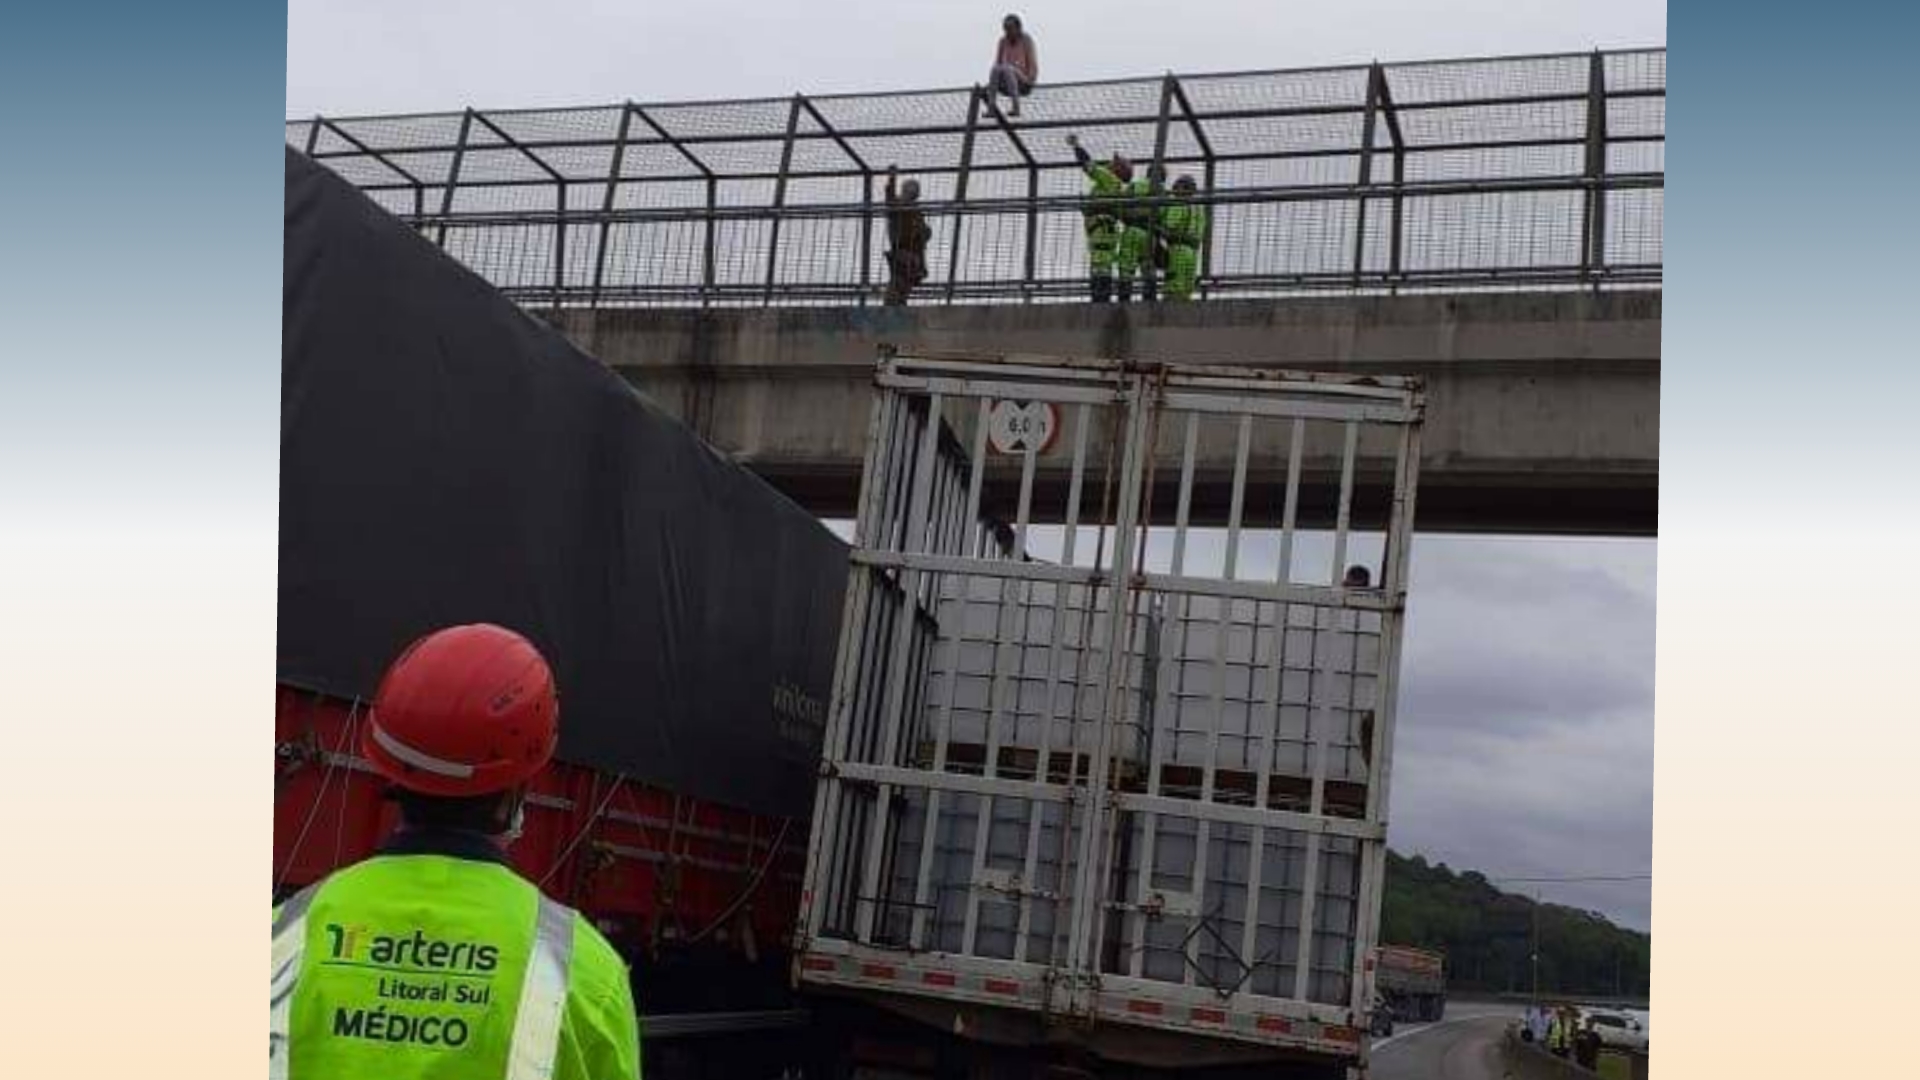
(1543, 171)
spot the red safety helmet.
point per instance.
(468, 710)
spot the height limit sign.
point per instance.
(1013, 427)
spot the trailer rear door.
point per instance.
(1105, 765)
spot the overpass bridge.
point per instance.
(1493, 225)
(1543, 408)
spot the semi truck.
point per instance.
(447, 458)
(1412, 982)
(1075, 760)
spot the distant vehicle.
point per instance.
(1617, 1030)
(1413, 981)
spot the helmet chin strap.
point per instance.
(516, 819)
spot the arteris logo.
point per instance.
(415, 952)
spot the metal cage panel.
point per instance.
(1136, 781)
(1500, 172)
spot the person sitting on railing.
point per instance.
(1183, 226)
(1102, 213)
(907, 236)
(1139, 245)
(1016, 64)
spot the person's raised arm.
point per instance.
(1080, 154)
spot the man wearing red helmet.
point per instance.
(433, 958)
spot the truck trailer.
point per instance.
(1117, 805)
(447, 458)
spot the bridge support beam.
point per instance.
(1543, 407)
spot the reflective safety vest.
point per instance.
(1101, 212)
(432, 967)
(1183, 224)
(1136, 216)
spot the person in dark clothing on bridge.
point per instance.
(907, 237)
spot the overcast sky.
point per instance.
(355, 56)
(1527, 720)
(1525, 742)
(1525, 738)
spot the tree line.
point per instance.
(1486, 934)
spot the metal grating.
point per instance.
(1122, 774)
(1541, 171)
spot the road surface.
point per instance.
(1464, 1044)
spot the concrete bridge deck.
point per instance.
(1543, 407)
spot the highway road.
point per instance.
(1464, 1044)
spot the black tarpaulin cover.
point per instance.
(446, 458)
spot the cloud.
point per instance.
(348, 56)
(1502, 632)
(1524, 745)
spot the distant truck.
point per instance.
(1412, 982)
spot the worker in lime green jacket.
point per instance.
(1183, 228)
(433, 959)
(1139, 244)
(1102, 214)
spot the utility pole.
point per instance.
(1536, 946)
(1537, 882)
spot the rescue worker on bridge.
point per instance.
(433, 958)
(1183, 226)
(1102, 214)
(1139, 242)
(907, 236)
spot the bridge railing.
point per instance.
(1541, 171)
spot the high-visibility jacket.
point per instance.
(1184, 224)
(1102, 211)
(1136, 219)
(424, 966)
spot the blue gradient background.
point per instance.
(1787, 745)
(140, 190)
(139, 264)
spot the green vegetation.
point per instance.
(1486, 933)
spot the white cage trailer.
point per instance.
(1107, 795)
